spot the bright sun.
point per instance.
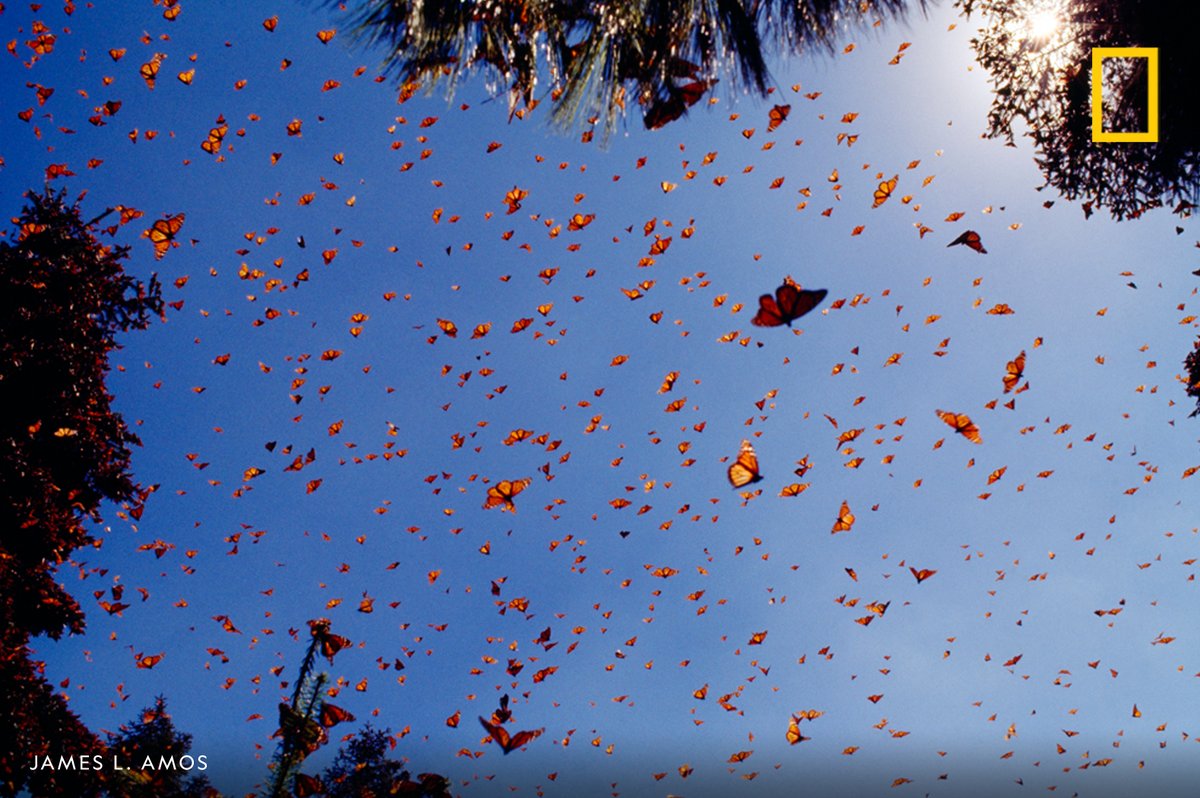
(1042, 24)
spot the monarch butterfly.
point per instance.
(789, 303)
(962, 425)
(1014, 371)
(744, 470)
(162, 234)
(149, 661)
(332, 715)
(510, 744)
(971, 239)
(305, 785)
(212, 145)
(662, 112)
(922, 574)
(884, 191)
(845, 519)
(331, 644)
(513, 199)
(502, 493)
(777, 116)
(793, 732)
(149, 70)
(579, 221)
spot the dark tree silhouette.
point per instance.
(64, 297)
(37, 724)
(598, 58)
(1191, 365)
(1044, 81)
(174, 772)
(362, 768)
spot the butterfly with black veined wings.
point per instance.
(502, 493)
(510, 744)
(884, 191)
(971, 239)
(962, 425)
(845, 519)
(789, 303)
(777, 116)
(1013, 373)
(513, 199)
(744, 470)
(162, 234)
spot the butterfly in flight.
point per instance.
(962, 425)
(845, 519)
(922, 574)
(502, 493)
(1013, 373)
(789, 303)
(510, 744)
(884, 191)
(777, 116)
(162, 234)
(793, 732)
(971, 239)
(744, 470)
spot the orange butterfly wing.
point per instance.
(768, 314)
(789, 303)
(1013, 372)
(777, 116)
(962, 424)
(306, 785)
(332, 715)
(522, 738)
(884, 191)
(793, 733)
(794, 301)
(971, 239)
(162, 234)
(845, 519)
(922, 574)
(502, 493)
(510, 744)
(744, 470)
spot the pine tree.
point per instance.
(64, 298)
(153, 738)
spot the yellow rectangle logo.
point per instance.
(1098, 56)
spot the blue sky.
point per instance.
(1021, 572)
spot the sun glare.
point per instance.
(1042, 24)
(1042, 29)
